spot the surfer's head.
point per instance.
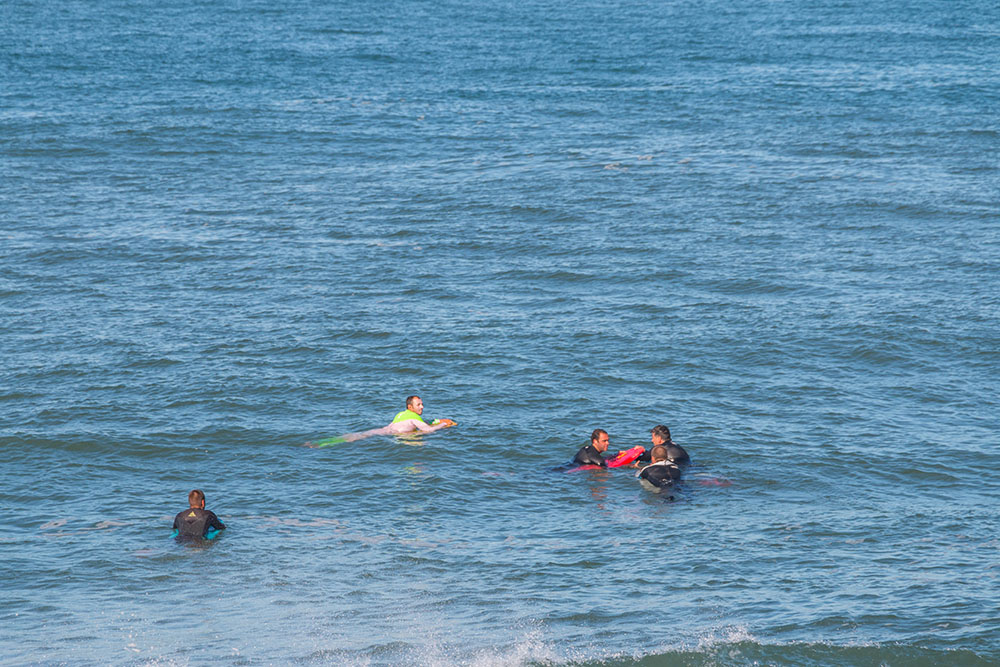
(660, 434)
(600, 440)
(196, 499)
(415, 404)
(658, 453)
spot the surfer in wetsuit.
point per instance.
(591, 454)
(662, 473)
(660, 437)
(196, 521)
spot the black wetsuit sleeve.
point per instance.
(589, 456)
(214, 522)
(646, 456)
(677, 453)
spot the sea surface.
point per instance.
(231, 228)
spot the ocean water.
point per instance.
(227, 229)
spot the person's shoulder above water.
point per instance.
(677, 454)
(660, 436)
(587, 455)
(592, 454)
(662, 473)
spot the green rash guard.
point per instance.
(408, 414)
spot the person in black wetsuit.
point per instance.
(591, 454)
(196, 521)
(660, 437)
(662, 473)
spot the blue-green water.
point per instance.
(230, 228)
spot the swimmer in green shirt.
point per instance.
(414, 410)
(407, 421)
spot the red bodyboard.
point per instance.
(623, 458)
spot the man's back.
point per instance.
(661, 474)
(195, 522)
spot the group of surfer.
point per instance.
(664, 459)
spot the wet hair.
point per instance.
(661, 431)
(195, 498)
(658, 453)
(410, 399)
(597, 434)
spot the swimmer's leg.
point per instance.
(398, 428)
(361, 435)
(326, 442)
(349, 437)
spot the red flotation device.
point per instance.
(622, 458)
